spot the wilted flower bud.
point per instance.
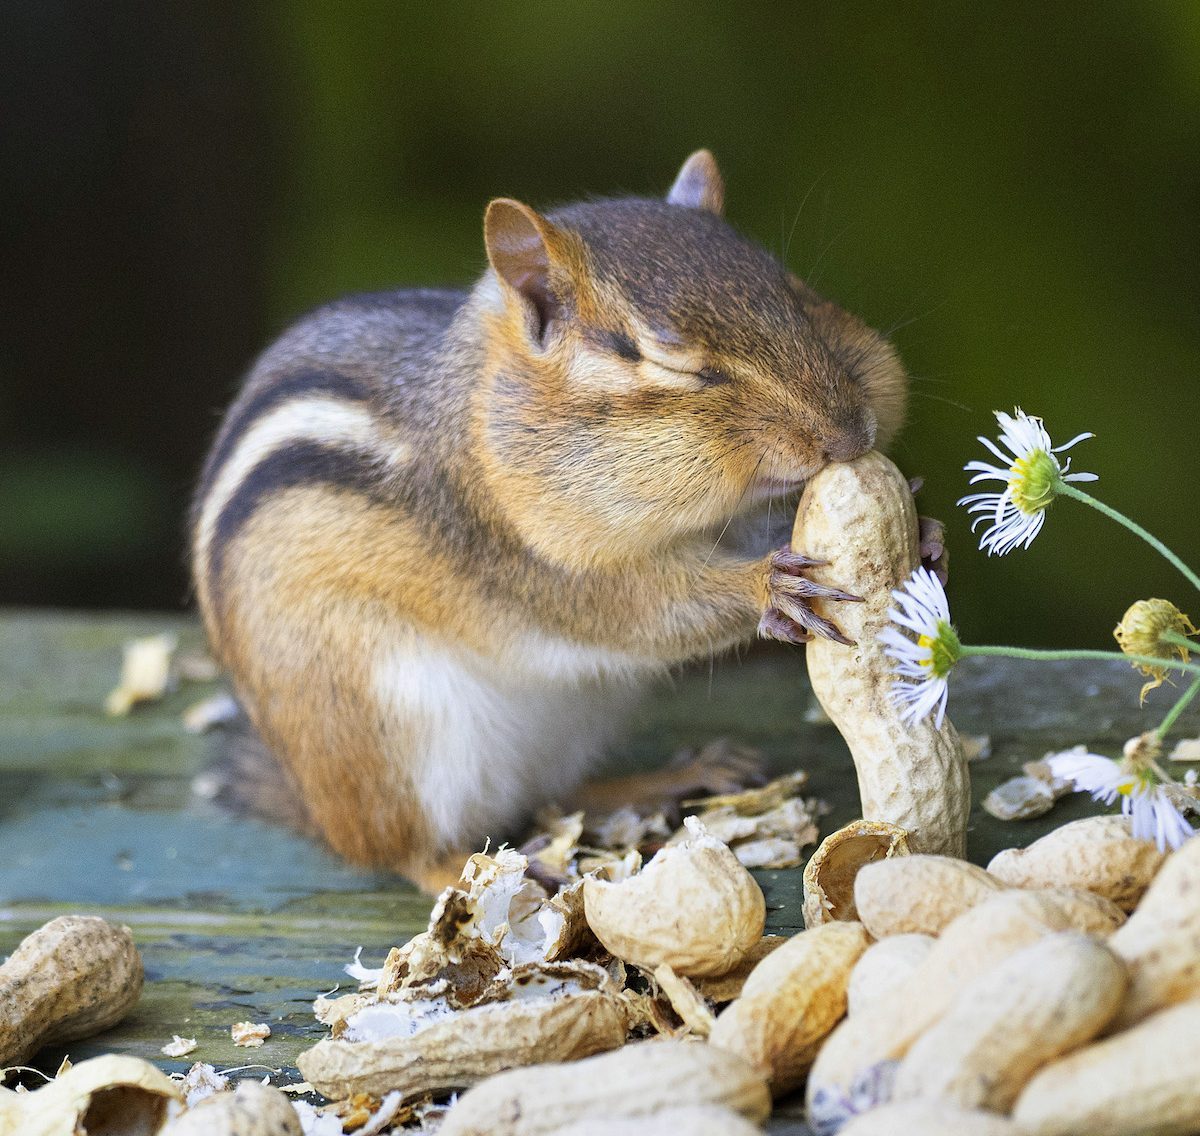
(1141, 632)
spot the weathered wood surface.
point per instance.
(238, 920)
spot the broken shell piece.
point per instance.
(252, 1109)
(495, 917)
(561, 1012)
(104, 1094)
(209, 713)
(693, 907)
(250, 1035)
(627, 828)
(145, 673)
(685, 1000)
(754, 802)
(201, 1081)
(1044, 771)
(178, 1046)
(1019, 798)
(1186, 749)
(636, 1082)
(830, 871)
(766, 827)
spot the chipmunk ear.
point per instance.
(699, 184)
(521, 248)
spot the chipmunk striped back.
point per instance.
(320, 409)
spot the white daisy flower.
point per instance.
(1144, 799)
(921, 665)
(1031, 475)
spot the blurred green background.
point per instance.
(1013, 187)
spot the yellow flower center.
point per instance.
(1032, 481)
(944, 649)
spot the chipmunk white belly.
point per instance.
(495, 737)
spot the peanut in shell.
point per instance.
(1142, 1082)
(883, 967)
(685, 1120)
(469, 1046)
(74, 977)
(633, 1083)
(928, 1118)
(1161, 941)
(1098, 853)
(918, 894)
(252, 1109)
(861, 1047)
(859, 517)
(1088, 911)
(790, 1002)
(1045, 1000)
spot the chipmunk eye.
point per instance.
(713, 376)
(622, 346)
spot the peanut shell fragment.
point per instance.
(693, 907)
(831, 869)
(101, 1095)
(635, 1082)
(860, 519)
(1098, 853)
(74, 977)
(466, 1047)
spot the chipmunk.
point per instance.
(443, 539)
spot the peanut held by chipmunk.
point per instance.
(443, 539)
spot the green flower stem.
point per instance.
(1035, 655)
(1180, 641)
(1178, 708)
(1066, 489)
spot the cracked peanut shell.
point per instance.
(693, 907)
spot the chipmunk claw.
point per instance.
(788, 615)
(931, 535)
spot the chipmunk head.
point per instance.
(659, 372)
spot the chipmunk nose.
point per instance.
(852, 440)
